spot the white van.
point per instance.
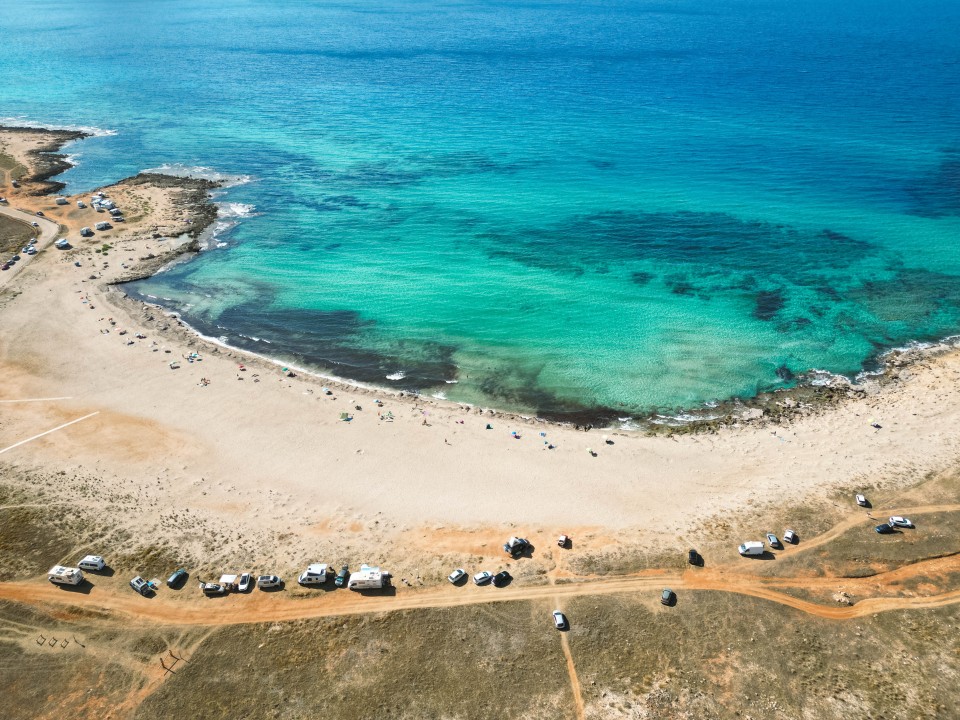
(368, 578)
(60, 575)
(92, 562)
(751, 547)
(315, 574)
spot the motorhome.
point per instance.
(315, 574)
(368, 578)
(60, 575)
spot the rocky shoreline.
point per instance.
(47, 161)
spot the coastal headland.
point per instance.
(124, 432)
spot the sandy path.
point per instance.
(274, 607)
(574, 678)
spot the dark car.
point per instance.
(667, 597)
(39, 213)
(178, 578)
(693, 557)
(884, 529)
(342, 576)
(502, 578)
(516, 546)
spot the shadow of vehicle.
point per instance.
(83, 587)
(766, 555)
(385, 591)
(526, 552)
(276, 588)
(462, 581)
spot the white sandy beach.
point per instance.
(260, 451)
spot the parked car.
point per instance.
(246, 582)
(563, 540)
(668, 597)
(178, 578)
(898, 521)
(516, 546)
(214, 589)
(39, 213)
(342, 576)
(141, 586)
(693, 557)
(96, 563)
(482, 577)
(559, 620)
(884, 529)
(774, 541)
(790, 536)
(268, 581)
(502, 578)
(457, 575)
(862, 501)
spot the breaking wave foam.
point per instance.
(200, 172)
(24, 122)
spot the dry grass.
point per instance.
(717, 655)
(13, 235)
(498, 661)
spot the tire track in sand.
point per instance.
(264, 607)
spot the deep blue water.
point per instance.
(557, 207)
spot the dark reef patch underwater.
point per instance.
(554, 208)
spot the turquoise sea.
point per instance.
(583, 210)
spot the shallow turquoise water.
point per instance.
(579, 210)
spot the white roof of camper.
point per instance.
(61, 570)
(317, 568)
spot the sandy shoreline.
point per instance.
(260, 455)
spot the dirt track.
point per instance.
(272, 607)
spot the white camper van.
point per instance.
(751, 547)
(315, 574)
(368, 578)
(60, 575)
(92, 562)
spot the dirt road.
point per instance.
(273, 607)
(47, 233)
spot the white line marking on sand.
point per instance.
(37, 399)
(59, 427)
